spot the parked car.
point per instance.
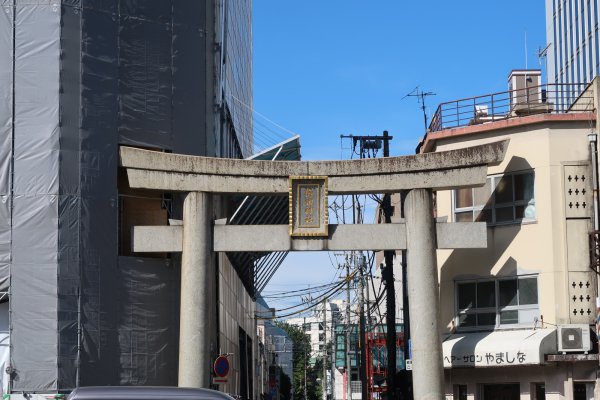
(145, 393)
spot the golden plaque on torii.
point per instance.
(308, 206)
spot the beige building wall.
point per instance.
(236, 309)
(552, 245)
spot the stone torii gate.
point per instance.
(308, 183)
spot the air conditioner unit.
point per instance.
(574, 338)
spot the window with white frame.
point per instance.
(488, 303)
(503, 199)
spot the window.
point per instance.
(503, 199)
(497, 302)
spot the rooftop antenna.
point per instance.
(525, 48)
(543, 53)
(420, 95)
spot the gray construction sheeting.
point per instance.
(35, 197)
(69, 259)
(6, 103)
(6, 126)
(89, 76)
(148, 323)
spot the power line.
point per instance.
(313, 302)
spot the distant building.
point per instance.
(320, 330)
(277, 350)
(573, 54)
(322, 334)
(519, 315)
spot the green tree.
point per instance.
(285, 386)
(301, 358)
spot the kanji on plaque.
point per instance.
(308, 206)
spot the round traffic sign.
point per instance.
(221, 366)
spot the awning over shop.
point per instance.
(499, 348)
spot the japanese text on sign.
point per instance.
(488, 359)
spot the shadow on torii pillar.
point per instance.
(308, 183)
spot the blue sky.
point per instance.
(328, 67)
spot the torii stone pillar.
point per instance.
(420, 234)
(422, 277)
(196, 276)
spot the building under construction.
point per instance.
(78, 78)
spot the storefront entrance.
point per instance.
(505, 391)
(583, 391)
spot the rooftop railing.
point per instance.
(548, 98)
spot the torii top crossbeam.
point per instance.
(438, 171)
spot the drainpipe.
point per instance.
(593, 138)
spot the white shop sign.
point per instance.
(499, 348)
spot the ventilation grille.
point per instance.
(582, 302)
(577, 191)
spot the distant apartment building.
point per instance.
(519, 315)
(319, 327)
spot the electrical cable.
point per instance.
(316, 304)
(320, 298)
(314, 288)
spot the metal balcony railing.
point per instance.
(548, 98)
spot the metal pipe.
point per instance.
(593, 138)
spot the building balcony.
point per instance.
(525, 101)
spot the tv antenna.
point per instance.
(420, 95)
(543, 53)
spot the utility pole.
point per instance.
(348, 362)
(368, 147)
(390, 291)
(304, 329)
(363, 348)
(324, 349)
(407, 386)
